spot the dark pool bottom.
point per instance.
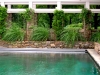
(47, 64)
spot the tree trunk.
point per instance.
(9, 19)
(35, 19)
(29, 25)
(87, 31)
(27, 31)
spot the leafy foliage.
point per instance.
(95, 36)
(70, 35)
(14, 33)
(58, 20)
(19, 19)
(43, 20)
(2, 30)
(3, 16)
(40, 34)
(79, 25)
(28, 14)
(87, 15)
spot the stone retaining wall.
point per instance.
(50, 44)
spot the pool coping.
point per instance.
(95, 56)
(42, 50)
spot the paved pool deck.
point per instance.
(94, 55)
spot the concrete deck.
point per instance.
(94, 55)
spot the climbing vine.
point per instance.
(3, 16)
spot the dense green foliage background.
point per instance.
(65, 25)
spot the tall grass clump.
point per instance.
(76, 26)
(70, 36)
(39, 34)
(14, 33)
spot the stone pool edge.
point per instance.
(94, 55)
(42, 50)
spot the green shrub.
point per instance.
(79, 25)
(70, 36)
(58, 20)
(43, 20)
(28, 14)
(86, 14)
(39, 34)
(14, 33)
(3, 16)
(95, 37)
(2, 30)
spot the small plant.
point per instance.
(39, 34)
(70, 36)
(14, 33)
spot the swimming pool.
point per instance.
(23, 63)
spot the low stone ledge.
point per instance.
(48, 44)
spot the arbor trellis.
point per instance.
(32, 4)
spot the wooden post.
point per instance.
(29, 29)
(87, 31)
(9, 17)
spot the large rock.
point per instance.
(52, 45)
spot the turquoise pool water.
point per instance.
(47, 64)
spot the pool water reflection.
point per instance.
(47, 64)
